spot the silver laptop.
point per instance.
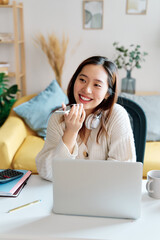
(97, 188)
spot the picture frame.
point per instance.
(136, 7)
(93, 14)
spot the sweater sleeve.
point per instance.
(54, 148)
(121, 141)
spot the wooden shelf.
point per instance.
(7, 41)
(18, 42)
(13, 74)
(6, 6)
(11, 6)
(12, 41)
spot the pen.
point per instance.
(25, 205)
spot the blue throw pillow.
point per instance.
(36, 112)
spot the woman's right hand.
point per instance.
(73, 121)
(75, 118)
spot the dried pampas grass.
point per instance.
(55, 50)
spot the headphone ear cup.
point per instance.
(88, 121)
(92, 121)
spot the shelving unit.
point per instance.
(19, 49)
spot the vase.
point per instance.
(128, 84)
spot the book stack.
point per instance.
(13, 188)
(6, 37)
(4, 67)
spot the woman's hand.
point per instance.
(75, 118)
(73, 121)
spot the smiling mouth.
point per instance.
(85, 99)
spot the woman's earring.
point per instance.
(107, 95)
(110, 91)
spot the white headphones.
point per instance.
(93, 121)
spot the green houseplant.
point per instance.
(7, 97)
(129, 58)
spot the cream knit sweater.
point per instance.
(119, 145)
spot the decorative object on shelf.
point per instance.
(4, 2)
(129, 58)
(128, 83)
(6, 37)
(55, 51)
(136, 7)
(7, 97)
(4, 67)
(93, 14)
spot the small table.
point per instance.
(37, 221)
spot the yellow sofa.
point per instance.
(151, 157)
(19, 145)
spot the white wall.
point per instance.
(65, 16)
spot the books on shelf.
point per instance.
(4, 67)
(4, 37)
(13, 188)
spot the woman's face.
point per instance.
(91, 87)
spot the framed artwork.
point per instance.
(136, 6)
(93, 14)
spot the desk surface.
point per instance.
(37, 221)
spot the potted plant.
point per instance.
(7, 97)
(129, 58)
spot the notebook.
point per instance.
(97, 188)
(14, 187)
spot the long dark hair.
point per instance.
(106, 104)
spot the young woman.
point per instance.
(96, 127)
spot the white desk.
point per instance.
(39, 222)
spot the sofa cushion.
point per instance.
(36, 111)
(26, 154)
(151, 107)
